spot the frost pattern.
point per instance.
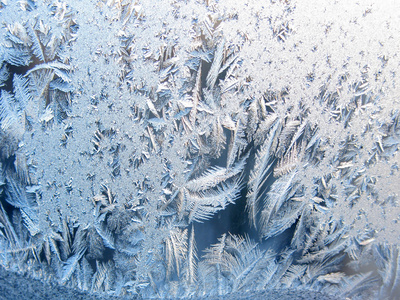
(126, 124)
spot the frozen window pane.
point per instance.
(201, 148)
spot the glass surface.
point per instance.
(182, 148)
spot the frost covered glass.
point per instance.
(201, 148)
